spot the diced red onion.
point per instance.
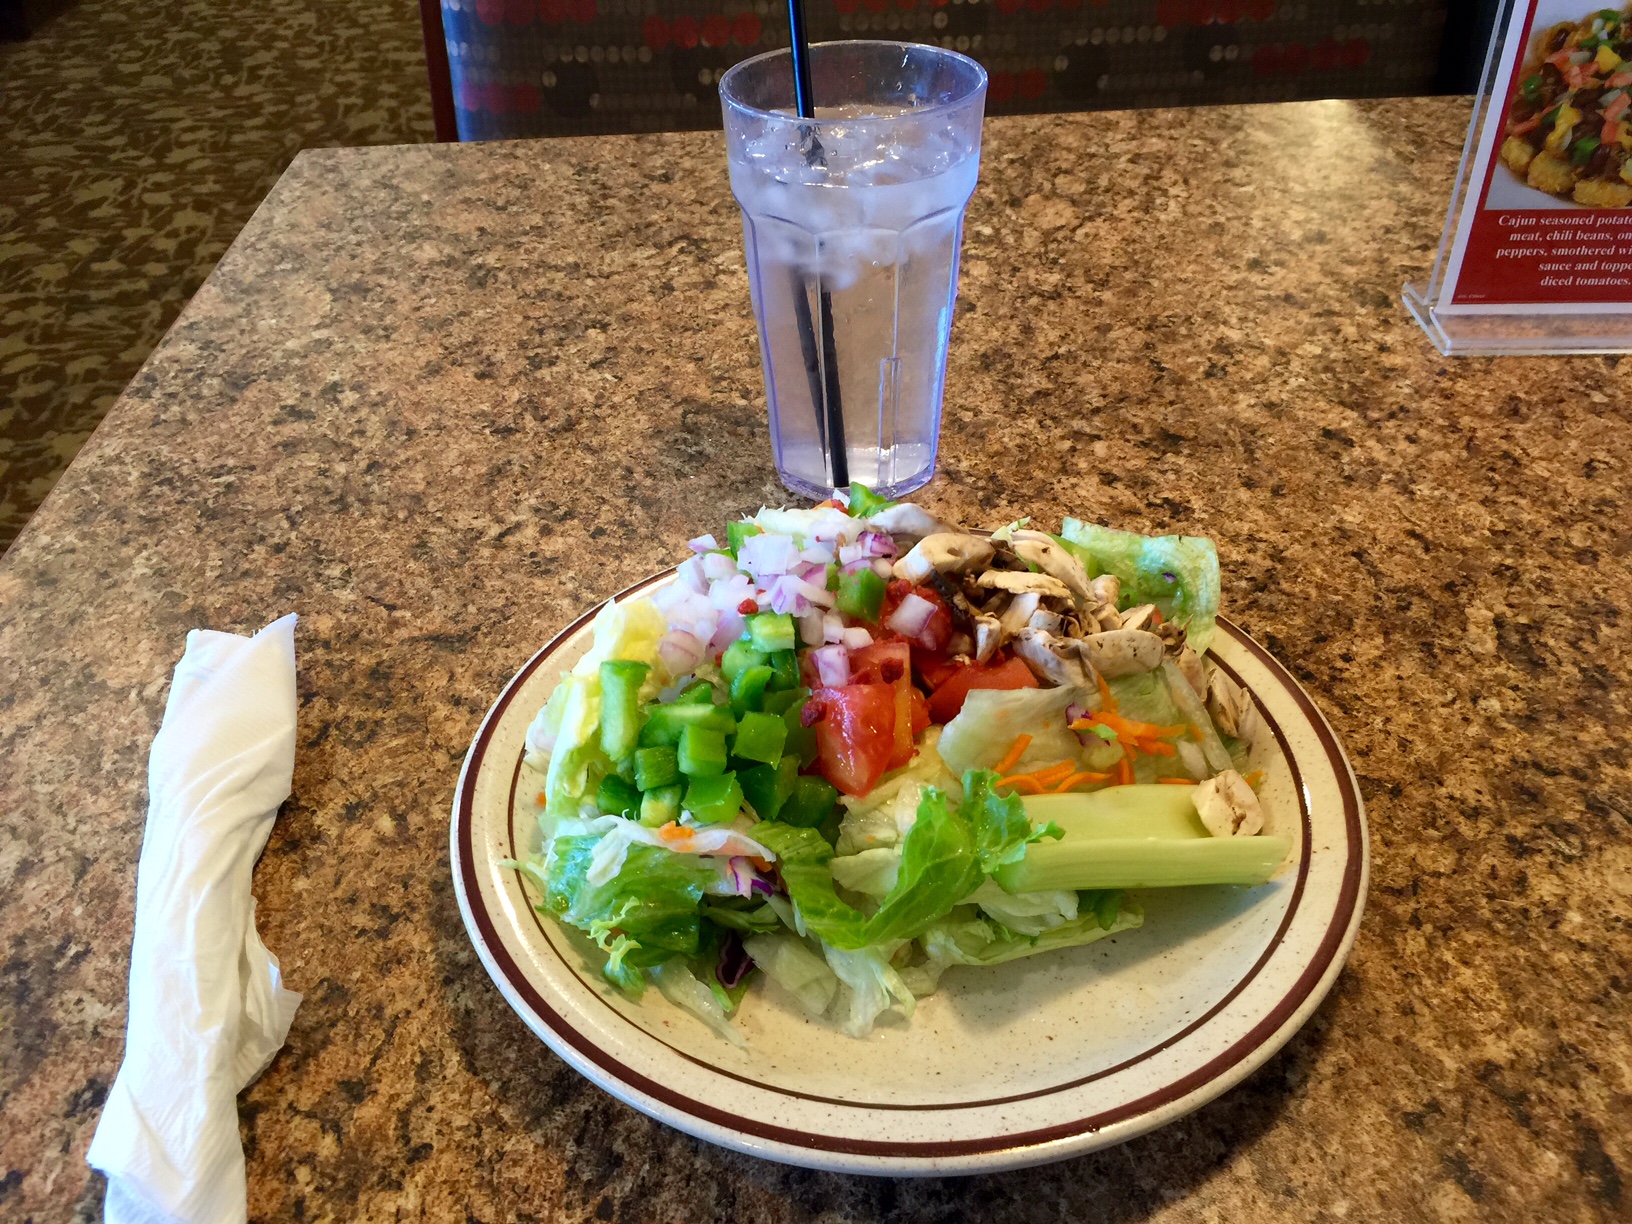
(728, 630)
(765, 556)
(703, 544)
(832, 627)
(832, 665)
(785, 597)
(795, 595)
(691, 573)
(734, 963)
(680, 651)
(717, 565)
(810, 629)
(910, 618)
(857, 638)
(877, 544)
(882, 568)
(730, 592)
(818, 554)
(809, 570)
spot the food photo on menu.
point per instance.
(863, 611)
(1568, 133)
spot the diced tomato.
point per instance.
(934, 667)
(947, 700)
(889, 663)
(919, 710)
(855, 737)
(938, 631)
(880, 663)
(894, 592)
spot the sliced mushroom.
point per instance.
(1124, 652)
(906, 519)
(1231, 708)
(1022, 581)
(1045, 621)
(1138, 618)
(944, 552)
(1107, 589)
(988, 637)
(1228, 806)
(1019, 612)
(963, 612)
(1172, 635)
(1061, 662)
(1039, 549)
(1109, 618)
(1189, 664)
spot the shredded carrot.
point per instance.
(1255, 778)
(1023, 782)
(1124, 771)
(1176, 781)
(542, 799)
(1011, 758)
(1048, 776)
(1156, 616)
(673, 832)
(1106, 700)
(1077, 779)
(1139, 730)
(1157, 748)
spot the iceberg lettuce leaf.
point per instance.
(1179, 574)
(641, 917)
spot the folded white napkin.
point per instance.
(207, 1008)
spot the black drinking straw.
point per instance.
(829, 410)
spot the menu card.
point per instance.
(1541, 224)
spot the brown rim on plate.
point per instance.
(518, 984)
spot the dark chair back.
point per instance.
(507, 68)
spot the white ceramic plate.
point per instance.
(1018, 1064)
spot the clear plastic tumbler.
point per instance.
(852, 222)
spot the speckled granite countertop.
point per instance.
(438, 399)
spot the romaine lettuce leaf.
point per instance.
(1179, 574)
(641, 917)
(944, 857)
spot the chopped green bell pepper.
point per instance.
(714, 799)
(656, 766)
(620, 705)
(702, 752)
(664, 723)
(809, 803)
(616, 797)
(767, 787)
(760, 737)
(861, 594)
(748, 690)
(738, 658)
(658, 807)
(770, 631)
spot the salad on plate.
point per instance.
(850, 747)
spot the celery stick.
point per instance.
(1135, 837)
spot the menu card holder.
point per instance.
(1486, 225)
